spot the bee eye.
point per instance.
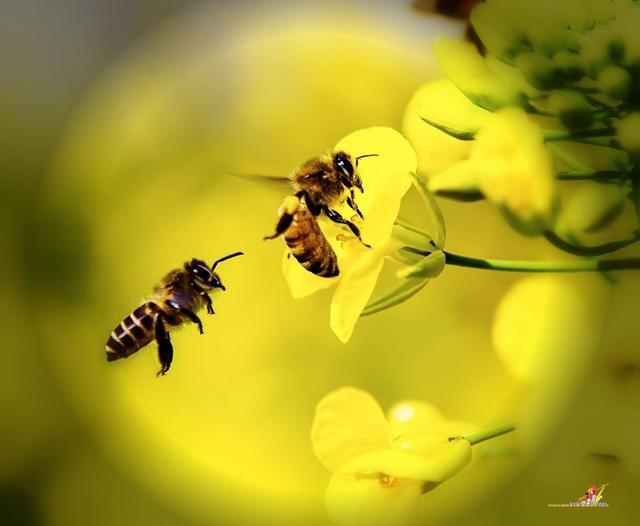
(200, 272)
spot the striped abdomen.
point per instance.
(309, 246)
(133, 333)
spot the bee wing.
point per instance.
(261, 178)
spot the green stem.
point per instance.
(595, 250)
(564, 135)
(488, 434)
(582, 265)
(592, 175)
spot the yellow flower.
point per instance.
(381, 467)
(439, 101)
(385, 180)
(509, 164)
(469, 71)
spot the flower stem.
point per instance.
(488, 434)
(582, 265)
(510, 265)
(563, 135)
(592, 175)
(595, 250)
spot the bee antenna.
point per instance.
(215, 263)
(366, 155)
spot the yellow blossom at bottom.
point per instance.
(382, 466)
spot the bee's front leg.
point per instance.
(352, 204)
(190, 315)
(209, 303)
(335, 216)
(165, 349)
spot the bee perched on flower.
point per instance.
(385, 179)
(320, 185)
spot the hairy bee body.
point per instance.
(309, 245)
(177, 299)
(317, 177)
(319, 184)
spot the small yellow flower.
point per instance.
(510, 165)
(382, 466)
(385, 179)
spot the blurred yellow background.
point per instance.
(107, 188)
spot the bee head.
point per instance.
(346, 170)
(207, 278)
(202, 275)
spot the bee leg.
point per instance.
(165, 349)
(284, 222)
(285, 215)
(337, 218)
(209, 303)
(192, 317)
(313, 207)
(352, 204)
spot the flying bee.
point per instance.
(319, 185)
(176, 299)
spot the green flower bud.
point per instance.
(539, 71)
(629, 134)
(572, 107)
(615, 82)
(569, 65)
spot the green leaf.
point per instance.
(440, 102)
(402, 293)
(463, 135)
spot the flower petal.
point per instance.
(348, 422)
(459, 181)
(352, 500)
(442, 102)
(412, 415)
(385, 178)
(515, 170)
(302, 283)
(353, 293)
(468, 70)
(444, 460)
